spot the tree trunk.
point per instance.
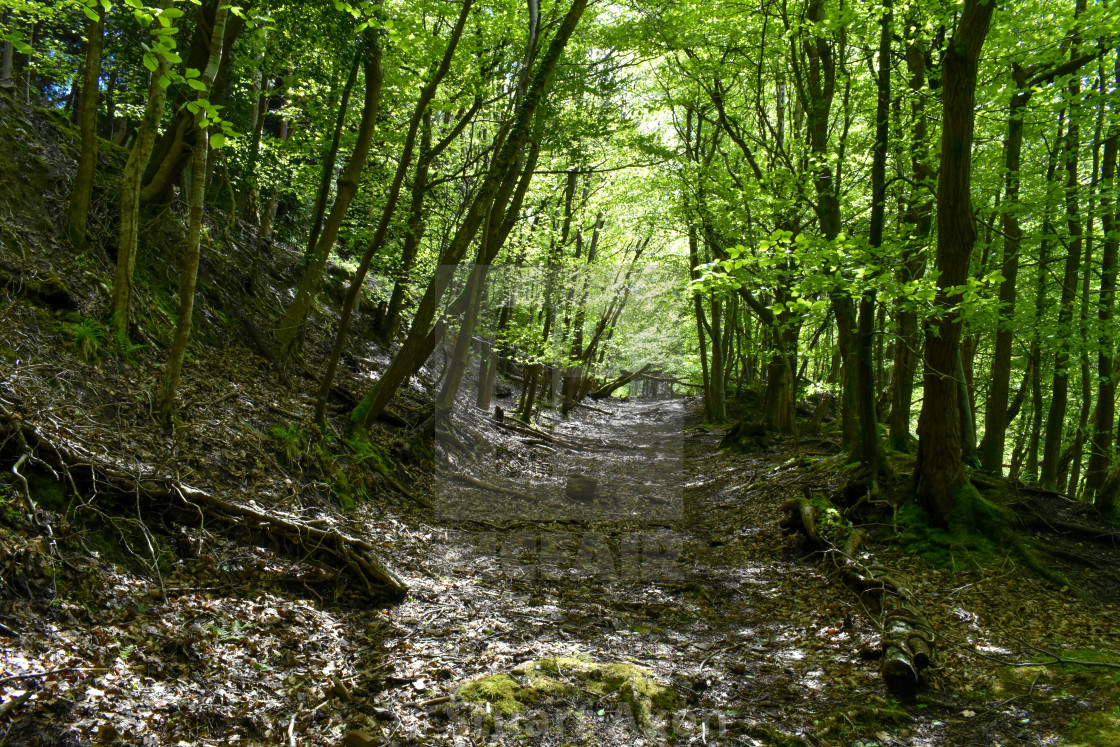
(78, 214)
(188, 277)
(378, 397)
(918, 214)
(291, 324)
(1056, 417)
(377, 241)
(937, 472)
(1100, 456)
(870, 453)
(121, 302)
(332, 156)
(995, 417)
(175, 148)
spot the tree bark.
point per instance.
(78, 214)
(937, 472)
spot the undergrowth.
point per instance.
(980, 532)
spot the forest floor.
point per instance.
(664, 607)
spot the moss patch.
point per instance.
(556, 679)
(980, 531)
(633, 685)
(502, 692)
(1094, 727)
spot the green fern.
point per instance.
(292, 440)
(88, 336)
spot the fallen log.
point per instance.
(608, 389)
(907, 637)
(325, 547)
(671, 380)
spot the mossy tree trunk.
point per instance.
(128, 239)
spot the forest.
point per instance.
(559, 372)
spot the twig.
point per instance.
(15, 703)
(436, 701)
(714, 654)
(36, 675)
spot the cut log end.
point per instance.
(899, 675)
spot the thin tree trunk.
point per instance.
(919, 214)
(1041, 304)
(121, 302)
(291, 324)
(377, 241)
(78, 215)
(1059, 394)
(378, 397)
(995, 417)
(870, 452)
(169, 382)
(1100, 456)
(331, 157)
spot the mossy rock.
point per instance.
(635, 686)
(557, 679)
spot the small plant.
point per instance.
(292, 440)
(89, 337)
(126, 347)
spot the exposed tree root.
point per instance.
(327, 547)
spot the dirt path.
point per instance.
(676, 566)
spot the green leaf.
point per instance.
(217, 140)
(150, 61)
